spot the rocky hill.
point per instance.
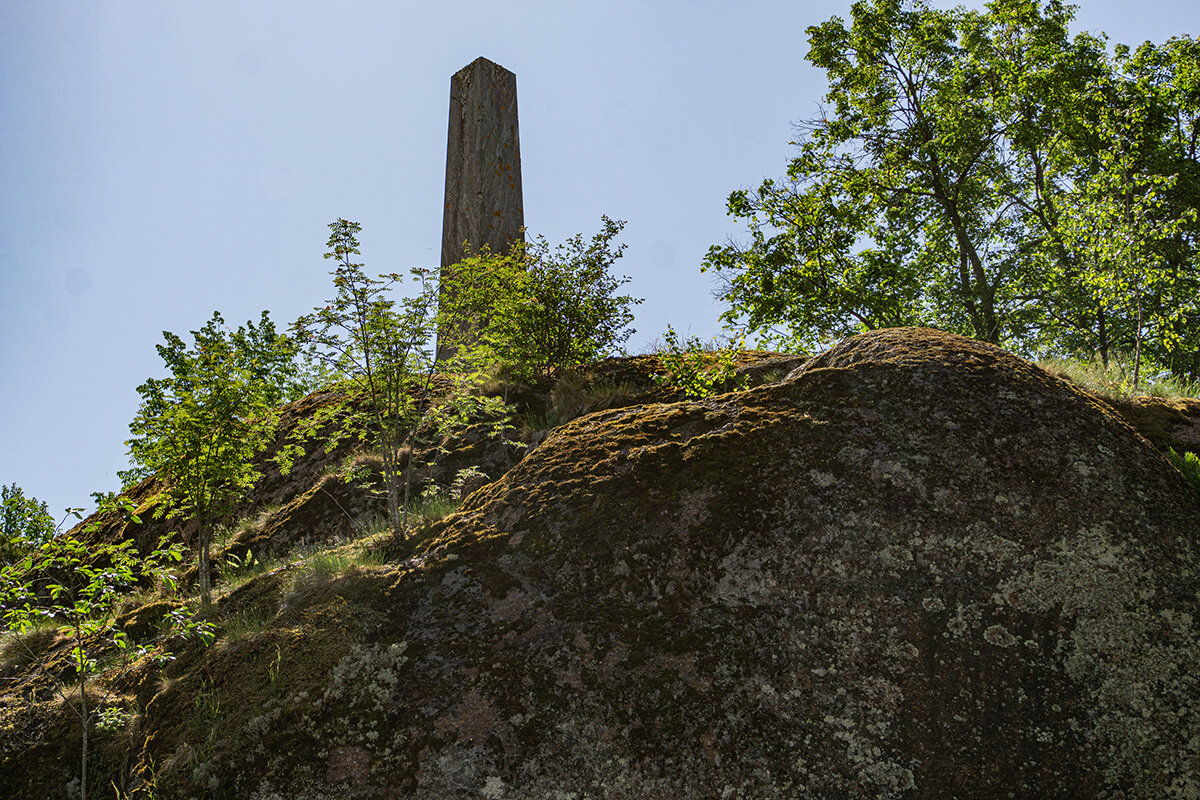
(916, 566)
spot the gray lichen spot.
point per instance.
(1140, 664)
(821, 479)
(999, 636)
(494, 788)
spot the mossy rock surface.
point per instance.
(918, 567)
(1167, 423)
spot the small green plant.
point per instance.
(81, 582)
(234, 566)
(696, 369)
(237, 572)
(464, 479)
(1188, 464)
(114, 718)
(435, 503)
(438, 501)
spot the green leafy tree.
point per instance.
(274, 362)
(540, 309)
(73, 585)
(1154, 102)
(25, 523)
(1120, 225)
(201, 427)
(382, 350)
(938, 184)
(894, 198)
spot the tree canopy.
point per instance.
(946, 178)
(200, 427)
(25, 523)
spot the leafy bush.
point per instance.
(397, 392)
(540, 310)
(694, 368)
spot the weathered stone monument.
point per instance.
(483, 169)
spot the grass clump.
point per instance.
(245, 623)
(19, 650)
(432, 507)
(574, 395)
(1114, 380)
(327, 564)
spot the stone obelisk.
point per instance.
(483, 169)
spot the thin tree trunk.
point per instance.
(1137, 347)
(391, 475)
(408, 470)
(1103, 320)
(978, 296)
(83, 713)
(964, 279)
(205, 577)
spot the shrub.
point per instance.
(540, 310)
(396, 392)
(696, 369)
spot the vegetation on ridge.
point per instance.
(983, 172)
(71, 588)
(201, 433)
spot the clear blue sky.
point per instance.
(160, 160)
